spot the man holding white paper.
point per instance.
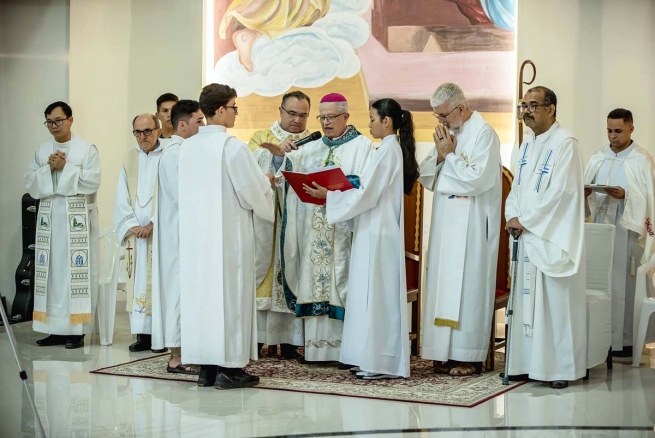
(627, 203)
(314, 254)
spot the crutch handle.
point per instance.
(515, 244)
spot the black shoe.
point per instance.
(290, 352)
(626, 352)
(207, 375)
(163, 350)
(516, 377)
(559, 384)
(143, 343)
(344, 366)
(52, 340)
(238, 379)
(74, 342)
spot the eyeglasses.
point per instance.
(328, 118)
(441, 116)
(532, 107)
(294, 114)
(56, 122)
(145, 132)
(234, 107)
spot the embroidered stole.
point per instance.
(77, 214)
(131, 166)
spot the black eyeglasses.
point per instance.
(234, 107)
(294, 114)
(441, 116)
(56, 122)
(529, 107)
(146, 132)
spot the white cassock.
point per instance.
(80, 176)
(375, 329)
(276, 324)
(315, 255)
(549, 337)
(220, 188)
(631, 169)
(141, 213)
(166, 252)
(463, 247)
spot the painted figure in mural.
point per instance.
(250, 19)
(485, 12)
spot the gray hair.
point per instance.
(342, 107)
(154, 119)
(448, 93)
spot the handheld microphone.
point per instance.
(311, 137)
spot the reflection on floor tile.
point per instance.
(73, 403)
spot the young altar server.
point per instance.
(375, 332)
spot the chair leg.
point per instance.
(641, 337)
(586, 377)
(610, 364)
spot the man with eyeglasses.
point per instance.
(463, 170)
(65, 175)
(276, 324)
(545, 208)
(187, 118)
(134, 211)
(221, 188)
(315, 255)
(628, 202)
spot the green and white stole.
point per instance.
(77, 213)
(131, 166)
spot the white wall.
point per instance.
(596, 55)
(33, 74)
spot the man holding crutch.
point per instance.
(546, 209)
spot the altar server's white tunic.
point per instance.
(375, 327)
(632, 169)
(220, 188)
(548, 339)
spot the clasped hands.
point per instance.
(143, 232)
(57, 161)
(444, 142)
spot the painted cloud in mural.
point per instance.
(291, 59)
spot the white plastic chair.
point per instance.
(107, 285)
(599, 248)
(644, 308)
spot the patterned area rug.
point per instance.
(424, 386)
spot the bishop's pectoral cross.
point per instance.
(130, 260)
(544, 169)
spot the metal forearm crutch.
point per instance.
(509, 311)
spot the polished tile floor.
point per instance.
(73, 403)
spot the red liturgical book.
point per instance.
(332, 178)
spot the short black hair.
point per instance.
(621, 113)
(182, 111)
(550, 98)
(166, 97)
(154, 119)
(298, 95)
(59, 104)
(214, 96)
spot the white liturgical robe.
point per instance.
(166, 252)
(463, 247)
(632, 169)
(220, 188)
(141, 213)
(80, 176)
(375, 327)
(548, 338)
(315, 255)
